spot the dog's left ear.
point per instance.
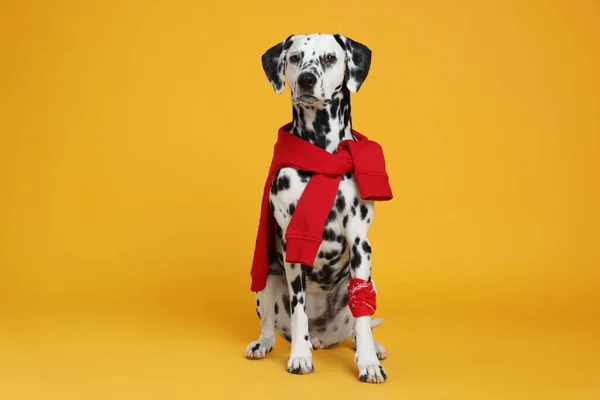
(273, 62)
(358, 61)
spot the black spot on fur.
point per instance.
(292, 208)
(332, 216)
(329, 235)
(335, 105)
(256, 347)
(303, 268)
(334, 261)
(294, 303)
(257, 303)
(357, 241)
(297, 284)
(274, 183)
(363, 211)
(306, 337)
(283, 183)
(366, 247)
(340, 203)
(319, 322)
(344, 301)
(347, 321)
(348, 174)
(280, 183)
(356, 258)
(276, 308)
(321, 128)
(286, 304)
(345, 221)
(356, 202)
(304, 175)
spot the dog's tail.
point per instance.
(376, 322)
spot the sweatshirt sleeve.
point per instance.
(370, 170)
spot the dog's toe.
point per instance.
(258, 350)
(372, 373)
(300, 365)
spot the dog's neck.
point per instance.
(324, 127)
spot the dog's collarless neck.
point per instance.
(324, 127)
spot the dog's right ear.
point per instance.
(273, 62)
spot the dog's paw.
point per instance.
(370, 369)
(258, 349)
(316, 343)
(374, 373)
(381, 353)
(300, 365)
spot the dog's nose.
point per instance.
(307, 80)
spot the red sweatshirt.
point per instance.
(304, 233)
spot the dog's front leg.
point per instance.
(300, 361)
(369, 367)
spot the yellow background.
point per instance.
(134, 141)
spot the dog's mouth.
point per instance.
(307, 99)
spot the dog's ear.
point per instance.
(358, 61)
(273, 62)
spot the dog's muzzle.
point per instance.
(305, 88)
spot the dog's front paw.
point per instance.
(300, 365)
(258, 349)
(371, 372)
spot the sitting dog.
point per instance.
(308, 305)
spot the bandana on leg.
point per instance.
(361, 298)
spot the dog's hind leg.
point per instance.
(266, 307)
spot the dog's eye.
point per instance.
(330, 58)
(295, 58)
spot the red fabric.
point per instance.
(362, 299)
(304, 233)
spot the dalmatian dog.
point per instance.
(308, 306)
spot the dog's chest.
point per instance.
(332, 262)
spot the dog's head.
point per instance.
(316, 66)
